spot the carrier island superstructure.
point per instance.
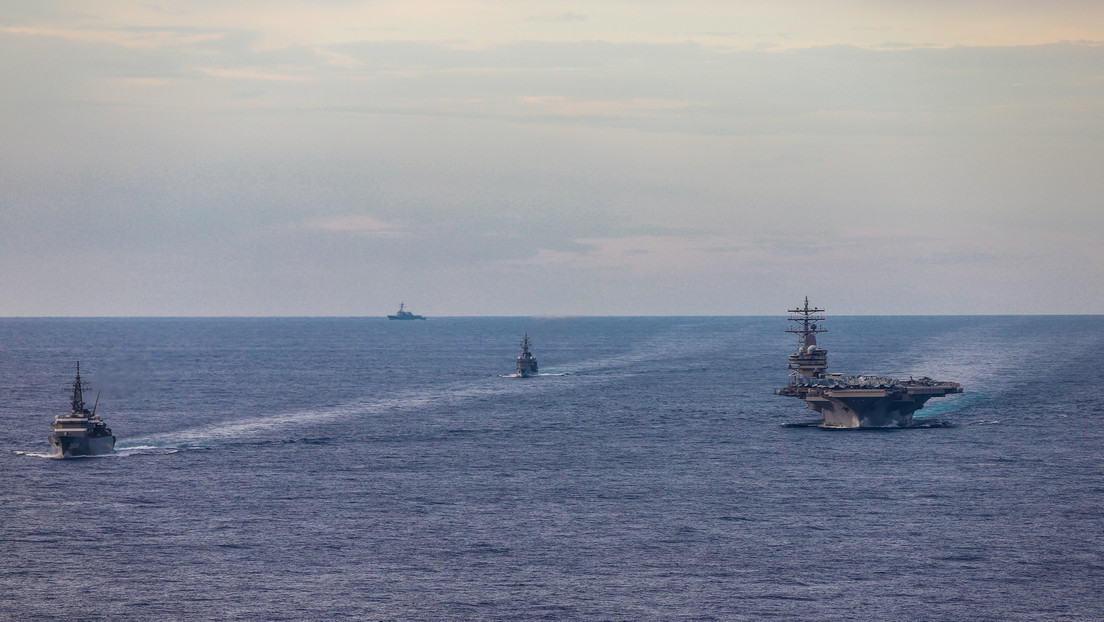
(851, 401)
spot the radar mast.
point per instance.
(78, 393)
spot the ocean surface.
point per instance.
(361, 469)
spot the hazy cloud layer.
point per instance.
(493, 157)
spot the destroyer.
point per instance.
(851, 401)
(526, 362)
(404, 315)
(80, 432)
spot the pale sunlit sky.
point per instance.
(567, 158)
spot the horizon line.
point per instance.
(536, 316)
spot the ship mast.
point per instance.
(805, 323)
(78, 393)
(809, 360)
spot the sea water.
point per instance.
(361, 469)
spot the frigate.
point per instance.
(851, 401)
(526, 362)
(80, 432)
(404, 315)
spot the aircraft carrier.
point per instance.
(851, 401)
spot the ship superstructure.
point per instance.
(851, 401)
(526, 362)
(402, 314)
(80, 432)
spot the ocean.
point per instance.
(361, 469)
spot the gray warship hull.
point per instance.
(527, 367)
(526, 362)
(76, 446)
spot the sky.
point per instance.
(607, 157)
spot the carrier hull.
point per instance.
(868, 408)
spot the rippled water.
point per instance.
(274, 469)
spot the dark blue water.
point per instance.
(273, 469)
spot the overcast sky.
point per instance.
(205, 157)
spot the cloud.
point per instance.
(558, 18)
(644, 253)
(250, 73)
(357, 224)
(564, 106)
(138, 38)
(337, 59)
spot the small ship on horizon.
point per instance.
(851, 401)
(404, 315)
(80, 432)
(526, 362)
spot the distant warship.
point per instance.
(404, 315)
(526, 362)
(851, 401)
(80, 432)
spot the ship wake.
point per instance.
(34, 454)
(304, 423)
(918, 423)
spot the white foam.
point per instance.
(143, 450)
(254, 426)
(53, 456)
(32, 454)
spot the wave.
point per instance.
(663, 348)
(33, 454)
(917, 424)
(143, 450)
(951, 404)
(53, 456)
(118, 452)
(254, 429)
